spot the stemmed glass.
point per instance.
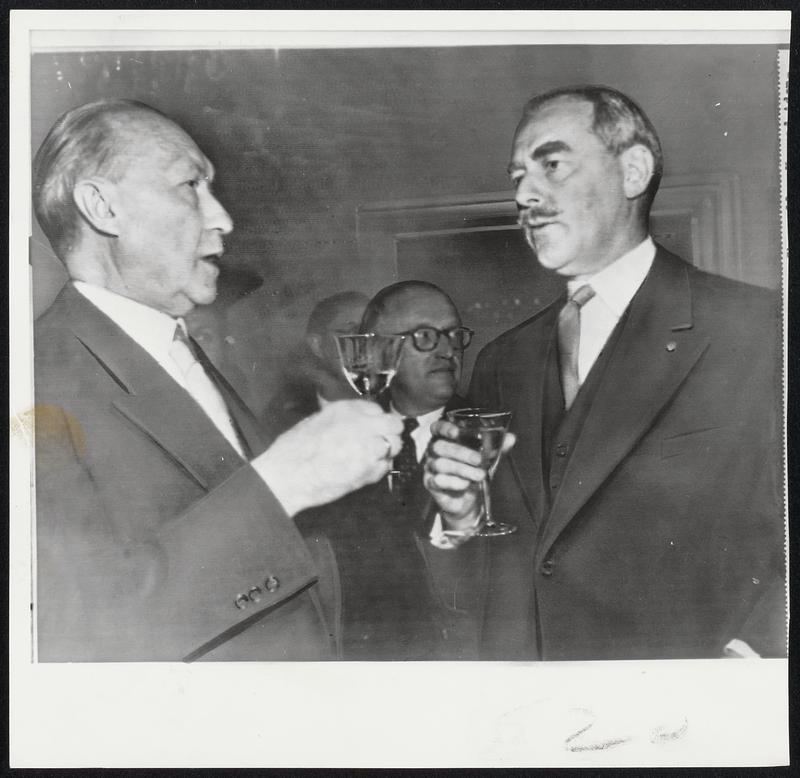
(369, 361)
(483, 430)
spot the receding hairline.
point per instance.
(143, 129)
(529, 114)
(415, 291)
(390, 300)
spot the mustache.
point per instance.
(530, 216)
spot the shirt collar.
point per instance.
(426, 419)
(617, 283)
(153, 330)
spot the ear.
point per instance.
(637, 169)
(315, 344)
(94, 198)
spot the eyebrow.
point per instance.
(194, 167)
(550, 147)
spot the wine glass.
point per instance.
(369, 361)
(483, 430)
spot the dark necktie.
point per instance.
(405, 463)
(200, 383)
(569, 336)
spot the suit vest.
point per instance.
(560, 429)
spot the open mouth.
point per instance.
(211, 259)
(538, 221)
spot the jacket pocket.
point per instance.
(697, 442)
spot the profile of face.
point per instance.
(168, 224)
(576, 199)
(425, 380)
(346, 320)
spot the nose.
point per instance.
(215, 216)
(444, 348)
(528, 192)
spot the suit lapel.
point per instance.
(244, 421)
(656, 350)
(152, 401)
(521, 386)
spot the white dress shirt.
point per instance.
(154, 331)
(422, 434)
(614, 287)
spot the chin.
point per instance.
(554, 261)
(204, 294)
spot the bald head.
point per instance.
(96, 139)
(399, 297)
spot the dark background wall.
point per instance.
(301, 138)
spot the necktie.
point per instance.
(201, 387)
(569, 336)
(405, 463)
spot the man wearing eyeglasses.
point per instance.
(429, 370)
(390, 610)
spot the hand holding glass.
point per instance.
(369, 361)
(484, 430)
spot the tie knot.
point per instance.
(180, 336)
(409, 425)
(582, 295)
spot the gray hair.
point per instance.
(618, 122)
(84, 141)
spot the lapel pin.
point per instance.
(671, 346)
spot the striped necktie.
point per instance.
(569, 338)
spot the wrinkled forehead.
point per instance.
(417, 307)
(563, 115)
(149, 138)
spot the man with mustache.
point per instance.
(646, 475)
(163, 514)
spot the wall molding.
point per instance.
(699, 212)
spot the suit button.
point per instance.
(241, 601)
(553, 484)
(562, 449)
(272, 584)
(255, 594)
(547, 567)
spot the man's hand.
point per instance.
(453, 474)
(347, 445)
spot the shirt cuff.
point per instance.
(447, 539)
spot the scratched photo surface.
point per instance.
(649, 515)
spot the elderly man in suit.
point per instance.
(164, 517)
(391, 609)
(646, 476)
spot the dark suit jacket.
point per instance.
(391, 609)
(665, 538)
(150, 527)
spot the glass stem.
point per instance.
(487, 502)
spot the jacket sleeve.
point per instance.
(229, 559)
